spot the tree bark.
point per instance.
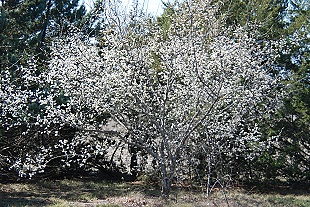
(133, 161)
(166, 187)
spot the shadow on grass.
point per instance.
(43, 193)
(281, 188)
(83, 192)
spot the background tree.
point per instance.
(280, 19)
(26, 28)
(269, 14)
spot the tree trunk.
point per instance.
(209, 177)
(166, 187)
(133, 161)
(166, 181)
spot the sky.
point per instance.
(151, 6)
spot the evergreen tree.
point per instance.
(288, 156)
(293, 120)
(268, 13)
(24, 26)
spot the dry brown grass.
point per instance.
(62, 193)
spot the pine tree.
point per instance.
(267, 13)
(288, 156)
(24, 26)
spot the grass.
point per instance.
(66, 193)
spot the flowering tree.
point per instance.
(165, 85)
(172, 85)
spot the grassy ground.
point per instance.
(63, 193)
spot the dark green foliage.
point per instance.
(24, 27)
(268, 13)
(287, 157)
(292, 121)
(293, 124)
